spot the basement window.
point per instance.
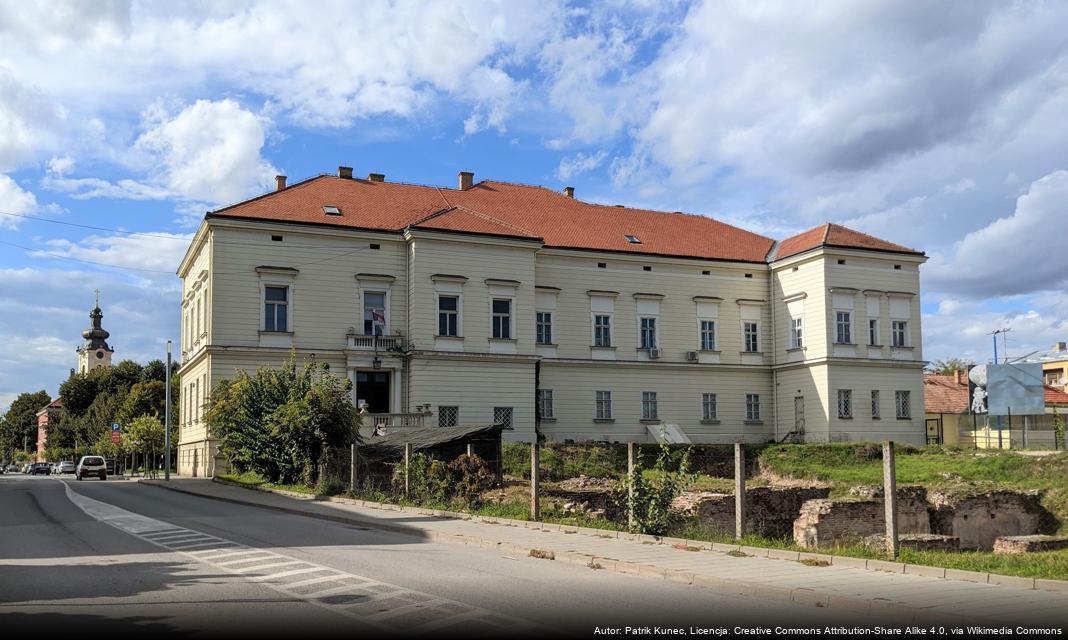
(331, 210)
(276, 238)
(632, 239)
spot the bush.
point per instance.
(648, 501)
(330, 485)
(439, 482)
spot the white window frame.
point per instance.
(756, 336)
(797, 332)
(709, 407)
(602, 405)
(511, 316)
(845, 404)
(545, 401)
(873, 332)
(385, 291)
(656, 332)
(459, 314)
(649, 400)
(702, 333)
(593, 329)
(538, 324)
(263, 305)
(848, 326)
(752, 407)
(903, 333)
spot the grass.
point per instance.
(253, 479)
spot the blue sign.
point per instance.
(115, 426)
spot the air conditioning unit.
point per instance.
(691, 356)
(654, 353)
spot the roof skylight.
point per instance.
(331, 210)
(632, 239)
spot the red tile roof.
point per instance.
(835, 235)
(943, 394)
(525, 211)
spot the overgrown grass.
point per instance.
(252, 479)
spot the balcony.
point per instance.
(390, 422)
(358, 342)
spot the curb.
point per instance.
(797, 595)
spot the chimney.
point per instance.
(376, 177)
(958, 375)
(467, 178)
(1060, 346)
(344, 172)
(569, 192)
(280, 182)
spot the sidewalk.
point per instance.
(770, 574)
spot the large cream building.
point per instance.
(502, 302)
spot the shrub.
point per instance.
(648, 501)
(439, 482)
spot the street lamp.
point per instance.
(167, 419)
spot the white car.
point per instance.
(91, 466)
(64, 467)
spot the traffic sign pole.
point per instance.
(167, 420)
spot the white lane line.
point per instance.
(311, 581)
(359, 587)
(185, 547)
(284, 574)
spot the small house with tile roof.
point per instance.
(501, 303)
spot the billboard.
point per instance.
(1015, 389)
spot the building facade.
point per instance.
(499, 302)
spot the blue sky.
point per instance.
(936, 125)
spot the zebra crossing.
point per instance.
(380, 605)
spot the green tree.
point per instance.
(277, 422)
(949, 367)
(145, 434)
(144, 399)
(78, 392)
(19, 427)
(648, 501)
(154, 370)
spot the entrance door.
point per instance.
(934, 431)
(372, 387)
(799, 414)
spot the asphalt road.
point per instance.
(118, 557)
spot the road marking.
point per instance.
(355, 590)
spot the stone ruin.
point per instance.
(1005, 545)
(821, 523)
(593, 497)
(768, 512)
(978, 520)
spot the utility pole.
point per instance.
(1004, 343)
(167, 420)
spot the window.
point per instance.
(708, 406)
(843, 326)
(750, 332)
(873, 331)
(902, 403)
(602, 331)
(632, 239)
(448, 416)
(275, 309)
(503, 416)
(331, 210)
(845, 403)
(544, 327)
(708, 335)
(448, 315)
(545, 403)
(875, 404)
(649, 405)
(752, 407)
(648, 333)
(796, 328)
(374, 313)
(502, 318)
(899, 333)
(604, 405)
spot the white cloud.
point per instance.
(961, 328)
(579, 164)
(14, 200)
(157, 252)
(28, 119)
(1020, 253)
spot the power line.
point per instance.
(62, 257)
(87, 226)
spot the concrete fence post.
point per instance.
(470, 450)
(535, 472)
(890, 498)
(407, 466)
(352, 468)
(739, 490)
(632, 462)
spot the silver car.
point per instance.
(91, 467)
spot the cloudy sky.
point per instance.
(938, 125)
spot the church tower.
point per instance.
(95, 352)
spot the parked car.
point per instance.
(65, 467)
(53, 468)
(26, 467)
(12, 468)
(91, 466)
(40, 469)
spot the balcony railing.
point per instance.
(390, 422)
(375, 343)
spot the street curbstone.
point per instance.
(887, 566)
(968, 576)
(925, 571)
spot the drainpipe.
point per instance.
(774, 355)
